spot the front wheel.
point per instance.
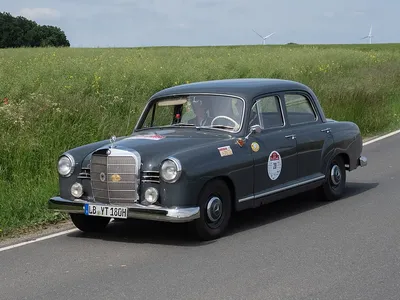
(335, 183)
(89, 223)
(215, 210)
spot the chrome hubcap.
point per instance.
(214, 209)
(336, 176)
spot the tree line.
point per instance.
(18, 32)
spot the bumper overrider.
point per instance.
(134, 211)
(362, 161)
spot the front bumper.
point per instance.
(135, 211)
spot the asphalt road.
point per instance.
(296, 248)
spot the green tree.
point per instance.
(21, 32)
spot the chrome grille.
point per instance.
(151, 176)
(146, 176)
(114, 177)
(84, 174)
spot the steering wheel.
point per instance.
(237, 125)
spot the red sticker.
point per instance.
(154, 137)
(274, 156)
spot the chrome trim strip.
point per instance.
(150, 176)
(246, 198)
(282, 113)
(135, 210)
(262, 194)
(84, 173)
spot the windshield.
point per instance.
(204, 111)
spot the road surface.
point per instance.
(297, 248)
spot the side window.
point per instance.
(266, 112)
(299, 109)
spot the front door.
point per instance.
(273, 149)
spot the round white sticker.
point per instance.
(274, 165)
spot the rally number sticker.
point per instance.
(274, 165)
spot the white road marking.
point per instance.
(74, 230)
(381, 137)
(46, 237)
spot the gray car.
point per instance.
(200, 151)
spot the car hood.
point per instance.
(154, 146)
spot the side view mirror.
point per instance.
(253, 129)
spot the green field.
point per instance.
(62, 98)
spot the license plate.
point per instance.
(117, 212)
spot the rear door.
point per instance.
(312, 135)
(273, 149)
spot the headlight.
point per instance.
(66, 165)
(170, 170)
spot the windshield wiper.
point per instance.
(222, 126)
(183, 124)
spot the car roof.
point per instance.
(247, 88)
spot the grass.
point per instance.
(63, 98)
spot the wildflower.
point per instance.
(5, 100)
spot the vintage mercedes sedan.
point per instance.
(200, 151)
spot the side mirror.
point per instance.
(253, 129)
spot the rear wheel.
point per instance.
(215, 210)
(89, 223)
(335, 184)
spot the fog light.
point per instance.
(151, 195)
(77, 190)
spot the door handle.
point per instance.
(290, 136)
(327, 130)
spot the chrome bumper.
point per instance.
(135, 211)
(362, 161)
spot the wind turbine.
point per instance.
(264, 37)
(370, 36)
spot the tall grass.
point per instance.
(63, 98)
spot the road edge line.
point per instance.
(382, 137)
(46, 237)
(42, 238)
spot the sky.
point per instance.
(141, 23)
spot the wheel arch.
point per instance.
(228, 181)
(332, 155)
(346, 159)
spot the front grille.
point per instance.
(84, 174)
(114, 177)
(151, 176)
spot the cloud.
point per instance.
(40, 13)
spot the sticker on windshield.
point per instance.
(274, 165)
(225, 151)
(154, 137)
